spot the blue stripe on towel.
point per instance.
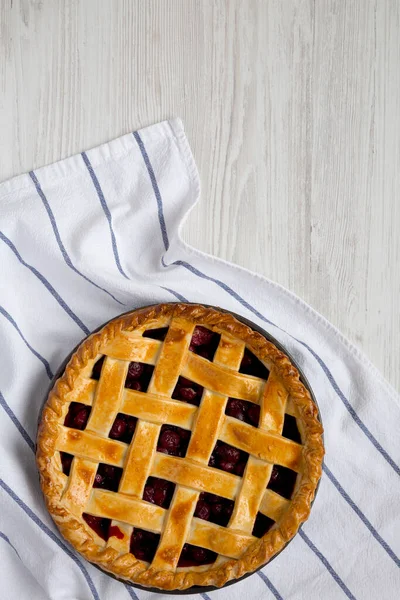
(106, 212)
(157, 194)
(5, 538)
(16, 422)
(363, 518)
(326, 564)
(269, 585)
(177, 296)
(131, 592)
(47, 285)
(58, 237)
(39, 356)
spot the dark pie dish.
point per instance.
(179, 449)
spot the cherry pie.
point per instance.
(179, 448)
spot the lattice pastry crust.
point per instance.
(69, 496)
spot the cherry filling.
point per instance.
(107, 477)
(158, 491)
(66, 461)
(116, 532)
(227, 458)
(282, 481)
(123, 428)
(97, 368)
(187, 391)
(243, 410)
(173, 440)
(290, 429)
(77, 416)
(251, 365)
(138, 376)
(262, 524)
(156, 334)
(214, 508)
(204, 342)
(194, 556)
(99, 524)
(144, 544)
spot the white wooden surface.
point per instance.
(292, 109)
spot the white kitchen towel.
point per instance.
(98, 234)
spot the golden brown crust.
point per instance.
(69, 387)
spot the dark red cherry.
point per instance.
(212, 498)
(227, 453)
(217, 510)
(290, 429)
(161, 484)
(162, 490)
(246, 360)
(239, 468)
(173, 440)
(158, 491)
(227, 466)
(253, 414)
(160, 497)
(184, 435)
(133, 384)
(221, 511)
(193, 556)
(185, 382)
(66, 461)
(131, 427)
(274, 475)
(228, 509)
(262, 524)
(135, 370)
(187, 393)
(201, 336)
(118, 429)
(139, 533)
(156, 334)
(205, 353)
(109, 471)
(107, 477)
(236, 408)
(148, 494)
(203, 510)
(144, 544)
(251, 365)
(97, 368)
(98, 480)
(170, 440)
(98, 524)
(199, 554)
(81, 417)
(282, 481)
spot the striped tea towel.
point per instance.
(98, 234)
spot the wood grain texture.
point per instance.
(292, 110)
